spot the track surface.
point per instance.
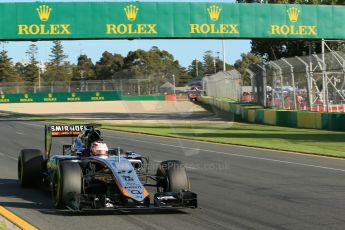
(238, 188)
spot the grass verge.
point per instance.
(3, 225)
(320, 142)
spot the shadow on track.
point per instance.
(12, 195)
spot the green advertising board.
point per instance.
(168, 20)
(60, 97)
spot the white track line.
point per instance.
(234, 154)
(224, 153)
(32, 124)
(8, 156)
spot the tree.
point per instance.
(209, 63)
(84, 69)
(272, 49)
(19, 68)
(31, 70)
(57, 56)
(196, 69)
(58, 68)
(7, 71)
(184, 77)
(155, 64)
(242, 65)
(108, 65)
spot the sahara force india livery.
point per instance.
(116, 180)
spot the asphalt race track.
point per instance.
(238, 188)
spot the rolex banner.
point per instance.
(121, 20)
(60, 97)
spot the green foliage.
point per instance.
(242, 64)
(210, 65)
(19, 69)
(209, 62)
(3, 225)
(108, 66)
(155, 64)
(184, 77)
(7, 71)
(196, 69)
(58, 69)
(31, 70)
(57, 56)
(85, 69)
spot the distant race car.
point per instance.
(194, 94)
(88, 175)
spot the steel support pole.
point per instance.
(324, 75)
(293, 82)
(281, 83)
(307, 69)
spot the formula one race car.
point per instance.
(89, 175)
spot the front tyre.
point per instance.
(30, 168)
(67, 185)
(173, 177)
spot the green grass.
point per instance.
(310, 141)
(2, 226)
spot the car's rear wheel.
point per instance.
(67, 185)
(173, 177)
(30, 167)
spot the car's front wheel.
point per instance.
(173, 177)
(67, 185)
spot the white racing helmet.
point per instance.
(99, 149)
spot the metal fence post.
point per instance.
(309, 86)
(281, 83)
(251, 74)
(324, 75)
(293, 82)
(264, 84)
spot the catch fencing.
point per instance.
(223, 84)
(129, 87)
(314, 82)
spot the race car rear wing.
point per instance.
(61, 131)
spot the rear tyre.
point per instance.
(67, 185)
(173, 177)
(30, 168)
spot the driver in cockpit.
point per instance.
(90, 143)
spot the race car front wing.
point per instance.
(162, 200)
(173, 199)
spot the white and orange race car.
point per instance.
(90, 176)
